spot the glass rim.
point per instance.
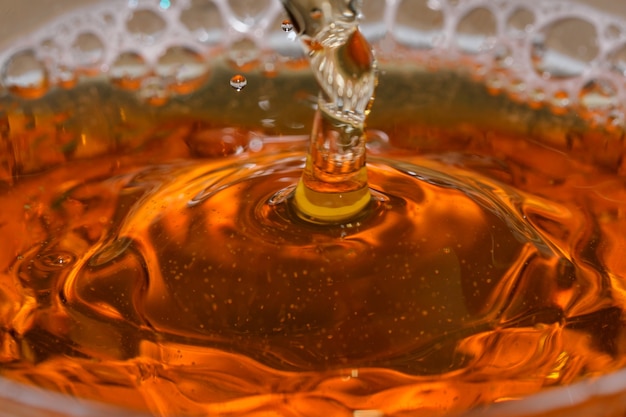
(22, 399)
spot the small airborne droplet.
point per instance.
(286, 25)
(238, 82)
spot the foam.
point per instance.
(521, 58)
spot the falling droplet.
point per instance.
(238, 82)
(286, 25)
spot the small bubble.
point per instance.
(280, 197)
(268, 123)
(50, 51)
(269, 68)
(185, 67)
(249, 12)
(433, 4)
(559, 101)
(615, 120)
(286, 25)
(476, 31)
(612, 32)
(108, 18)
(377, 141)
(424, 21)
(88, 50)
(238, 82)
(617, 60)
(54, 261)
(244, 54)
(556, 53)
(503, 56)
(536, 98)
(265, 104)
(495, 83)
(598, 95)
(154, 91)
(128, 70)
(64, 77)
(146, 25)
(255, 145)
(316, 13)
(518, 86)
(521, 22)
(518, 89)
(368, 413)
(203, 19)
(26, 76)
(209, 142)
(372, 12)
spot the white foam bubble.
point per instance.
(96, 36)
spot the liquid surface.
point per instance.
(152, 257)
(153, 272)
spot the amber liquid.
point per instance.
(146, 261)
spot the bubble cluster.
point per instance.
(555, 54)
(537, 52)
